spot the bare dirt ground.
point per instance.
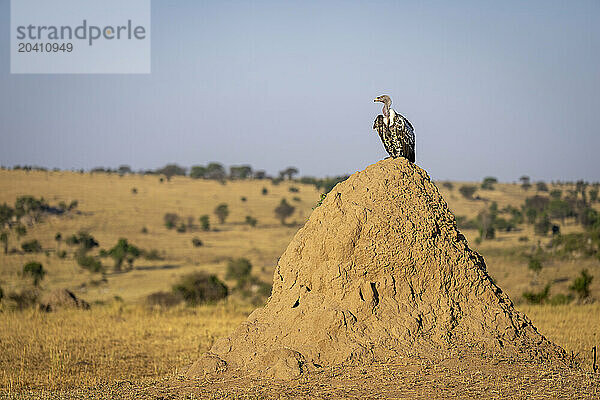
(406, 379)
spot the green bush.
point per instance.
(243, 199)
(293, 189)
(61, 254)
(199, 287)
(88, 262)
(20, 230)
(32, 246)
(537, 297)
(35, 270)
(205, 223)
(238, 269)
(542, 226)
(251, 221)
(171, 220)
(264, 191)
(181, 228)
(84, 240)
(222, 212)
(196, 242)
(467, 191)
(541, 186)
(581, 284)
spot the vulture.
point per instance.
(396, 133)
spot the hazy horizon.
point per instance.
(492, 89)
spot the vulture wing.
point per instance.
(404, 134)
(384, 134)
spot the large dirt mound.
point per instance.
(378, 271)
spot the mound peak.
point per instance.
(379, 271)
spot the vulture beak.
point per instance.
(376, 100)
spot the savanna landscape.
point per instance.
(158, 266)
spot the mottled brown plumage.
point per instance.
(395, 131)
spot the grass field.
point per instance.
(121, 339)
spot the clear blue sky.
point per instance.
(499, 88)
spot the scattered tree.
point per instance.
(6, 214)
(284, 210)
(124, 251)
(4, 240)
(581, 284)
(205, 222)
(35, 270)
(170, 170)
(543, 225)
(467, 191)
(196, 242)
(488, 183)
(215, 171)
(32, 246)
(593, 195)
(251, 221)
(222, 212)
(199, 287)
(58, 239)
(240, 172)
(525, 182)
(541, 186)
(289, 172)
(198, 171)
(124, 169)
(171, 220)
(21, 231)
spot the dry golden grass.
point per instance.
(124, 340)
(75, 348)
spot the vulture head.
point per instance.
(385, 99)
